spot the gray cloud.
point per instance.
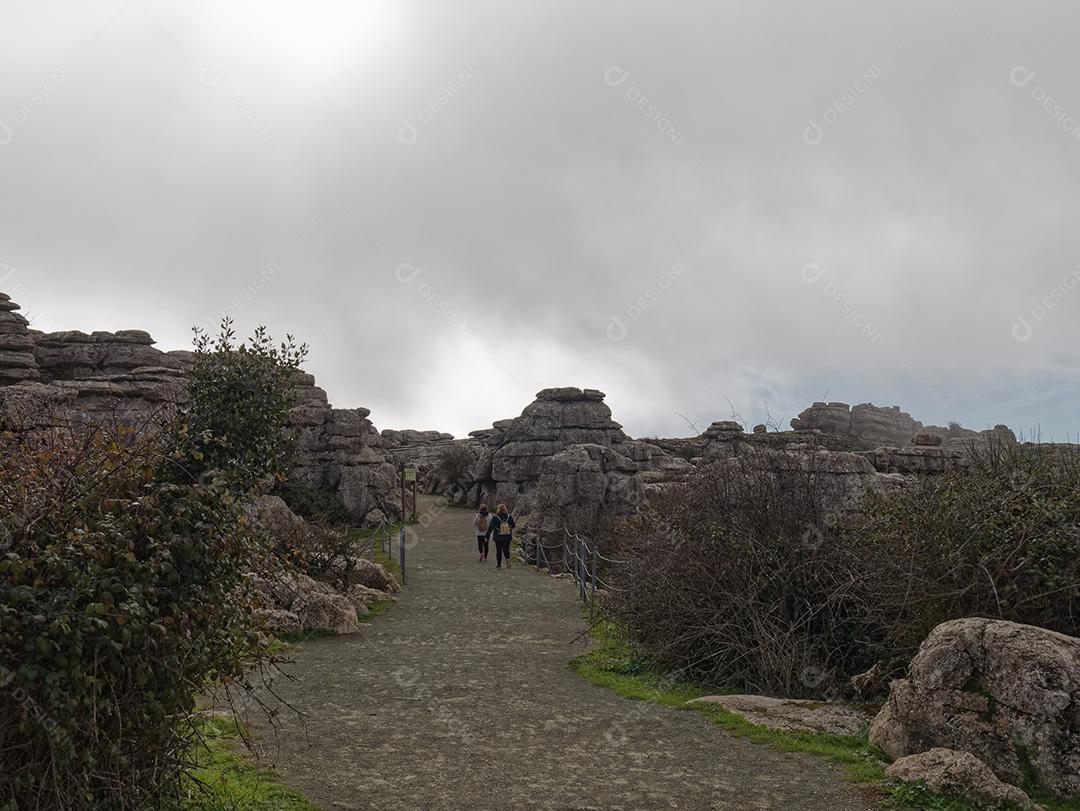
(540, 171)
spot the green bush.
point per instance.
(1000, 540)
(122, 588)
(241, 396)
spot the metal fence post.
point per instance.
(592, 586)
(401, 551)
(581, 568)
(577, 545)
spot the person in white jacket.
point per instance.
(480, 524)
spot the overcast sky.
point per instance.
(459, 203)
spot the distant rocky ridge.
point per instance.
(563, 462)
(49, 380)
(866, 426)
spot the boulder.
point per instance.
(278, 621)
(960, 774)
(326, 610)
(1009, 694)
(794, 715)
(361, 571)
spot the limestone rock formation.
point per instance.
(49, 380)
(78, 356)
(557, 419)
(960, 774)
(794, 715)
(994, 689)
(341, 451)
(842, 479)
(291, 600)
(865, 423)
(17, 361)
(444, 465)
(865, 427)
(915, 459)
(581, 485)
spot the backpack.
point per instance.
(504, 525)
(481, 524)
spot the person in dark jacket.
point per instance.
(502, 527)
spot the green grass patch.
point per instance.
(377, 610)
(614, 664)
(225, 780)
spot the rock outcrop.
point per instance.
(341, 451)
(17, 361)
(865, 427)
(581, 484)
(864, 424)
(49, 380)
(1006, 693)
(960, 774)
(557, 419)
(915, 459)
(290, 601)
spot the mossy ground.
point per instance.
(615, 665)
(227, 781)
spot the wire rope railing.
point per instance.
(593, 572)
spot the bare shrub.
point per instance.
(738, 578)
(744, 578)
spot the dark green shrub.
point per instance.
(123, 595)
(241, 396)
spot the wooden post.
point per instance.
(403, 508)
(401, 551)
(414, 499)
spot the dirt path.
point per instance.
(460, 698)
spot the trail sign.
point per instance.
(410, 474)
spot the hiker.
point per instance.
(480, 524)
(502, 527)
